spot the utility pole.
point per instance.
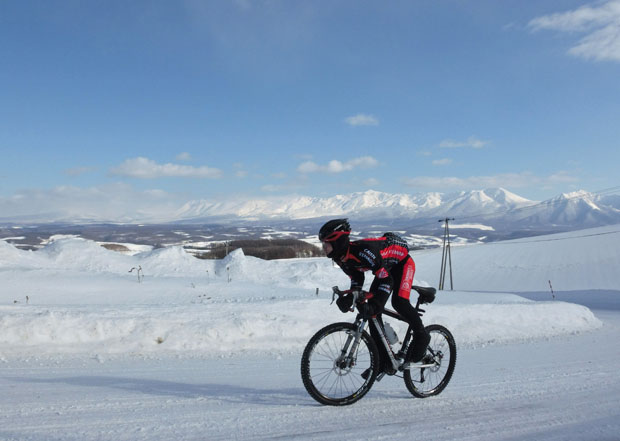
(446, 255)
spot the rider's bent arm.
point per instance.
(357, 278)
(383, 282)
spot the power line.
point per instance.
(520, 241)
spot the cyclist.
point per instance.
(388, 259)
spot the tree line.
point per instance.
(267, 249)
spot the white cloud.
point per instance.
(471, 142)
(336, 166)
(444, 161)
(362, 120)
(184, 156)
(117, 202)
(144, 168)
(600, 22)
(512, 180)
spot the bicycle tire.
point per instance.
(426, 382)
(326, 381)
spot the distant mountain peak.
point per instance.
(501, 194)
(576, 195)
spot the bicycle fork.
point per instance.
(348, 355)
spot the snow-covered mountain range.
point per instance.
(364, 204)
(493, 206)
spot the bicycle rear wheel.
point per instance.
(440, 358)
(332, 372)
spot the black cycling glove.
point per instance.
(345, 302)
(369, 309)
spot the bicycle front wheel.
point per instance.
(439, 360)
(334, 372)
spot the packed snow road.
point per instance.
(565, 388)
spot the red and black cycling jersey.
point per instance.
(379, 256)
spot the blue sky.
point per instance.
(173, 101)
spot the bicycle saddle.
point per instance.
(427, 293)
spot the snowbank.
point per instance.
(277, 326)
(75, 297)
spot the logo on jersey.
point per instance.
(369, 256)
(407, 279)
(385, 287)
(394, 252)
(382, 273)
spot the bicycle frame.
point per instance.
(397, 360)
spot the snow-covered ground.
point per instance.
(196, 349)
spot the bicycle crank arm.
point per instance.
(409, 366)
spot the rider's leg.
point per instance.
(384, 359)
(421, 338)
(379, 300)
(403, 275)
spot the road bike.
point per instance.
(341, 361)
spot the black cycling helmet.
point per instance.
(336, 232)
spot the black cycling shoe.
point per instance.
(389, 371)
(386, 370)
(428, 359)
(420, 344)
